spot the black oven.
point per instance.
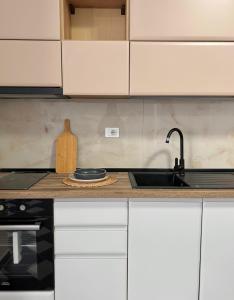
(26, 245)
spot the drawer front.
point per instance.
(30, 19)
(90, 213)
(91, 242)
(96, 68)
(30, 63)
(182, 68)
(91, 279)
(182, 20)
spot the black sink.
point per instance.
(192, 179)
(153, 180)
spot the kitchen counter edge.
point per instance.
(52, 187)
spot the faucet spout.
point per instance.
(181, 166)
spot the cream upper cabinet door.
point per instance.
(30, 19)
(164, 249)
(95, 68)
(217, 256)
(30, 63)
(182, 20)
(182, 68)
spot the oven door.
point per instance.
(26, 255)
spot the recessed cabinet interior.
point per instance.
(30, 19)
(30, 63)
(182, 68)
(94, 19)
(205, 20)
(95, 67)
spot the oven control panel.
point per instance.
(26, 208)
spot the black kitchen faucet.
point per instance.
(179, 164)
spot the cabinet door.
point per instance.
(29, 19)
(177, 68)
(181, 20)
(95, 68)
(164, 250)
(90, 279)
(30, 63)
(217, 257)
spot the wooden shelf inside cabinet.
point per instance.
(98, 3)
(90, 20)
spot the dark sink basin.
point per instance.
(152, 180)
(193, 179)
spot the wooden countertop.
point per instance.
(52, 187)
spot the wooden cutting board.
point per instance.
(66, 150)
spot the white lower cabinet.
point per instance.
(164, 249)
(91, 279)
(91, 250)
(217, 256)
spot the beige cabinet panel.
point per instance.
(29, 19)
(182, 20)
(182, 68)
(95, 67)
(30, 63)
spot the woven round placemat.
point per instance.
(90, 185)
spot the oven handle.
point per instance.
(35, 227)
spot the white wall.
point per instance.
(28, 129)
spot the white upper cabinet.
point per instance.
(217, 256)
(182, 68)
(164, 249)
(182, 20)
(95, 67)
(30, 63)
(30, 19)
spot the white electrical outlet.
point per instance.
(112, 132)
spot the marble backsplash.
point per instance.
(28, 129)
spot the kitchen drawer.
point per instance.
(95, 67)
(182, 20)
(182, 68)
(30, 63)
(90, 279)
(91, 242)
(90, 213)
(30, 19)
